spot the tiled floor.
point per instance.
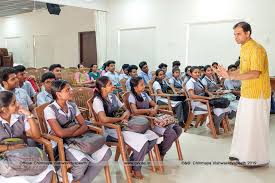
(198, 146)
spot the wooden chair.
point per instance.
(39, 111)
(81, 96)
(121, 147)
(191, 116)
(178, 146)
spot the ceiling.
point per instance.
(14, 7)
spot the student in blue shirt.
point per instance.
(45, 96)
(145, 74)
(132, 71)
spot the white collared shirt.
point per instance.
(14, 119)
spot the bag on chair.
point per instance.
(219, 102)
(27, 161)
(163, 120)
(138, 124)
(87, 143)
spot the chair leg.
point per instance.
(189, 121)
(227, 123)
(54, 178)
(212, 126)
(159, 160)
(117, 153)
(107, 174)
(179, 149)
(124, 156)
(151, 158)
(225, 127)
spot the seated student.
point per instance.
(202, 72)
(142, 104)
(15, 122)
(132, 70)
(45, 96)
(187, 75)
(105, 105)
(104, 68)
(160, 86)
(145, 74)
(175, 81)
(163, 67)
(93, 73)
(233, 85)
(208, 81)
(65, 121)
(56, 70)
(23, 83)
(196, 90)
(174, 65)
(215, 75)
(9, 82)
(124, 72)
(81, 77)
(112, 74)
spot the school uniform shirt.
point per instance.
(21, 97)
(146, 77)
(232, 84)
(44, 97)
(27, 86)
(114, 77)
(128, 85)
(134, 140)
(132, 99)
(210, 83)
(156, 87)
(169, 74)
(177, 82)
(123, 76)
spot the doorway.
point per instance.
(88, 53)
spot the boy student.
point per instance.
(145, 74)
(45, 96)
(174, 65)
(56, 70)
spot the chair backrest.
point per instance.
(125, 98)
(39, 112)
(82, 95)
(68, 75)
(92, 113)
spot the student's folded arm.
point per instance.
(3, 148)
(105, 119)
(62, 132)
(137, 111)
(83, 128)
(34, 130)
(194, 96)
(173, 88)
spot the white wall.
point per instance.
(61, 30)
(171, 19)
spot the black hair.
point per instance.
(100, 83)
(19, 68)
(78, 65)
(5, 98)
(5, 72)
(244, 25)
(93, 65)
(133, 83)
(142, 64)
(237, 63)
(53, 66)
(58, 86)
(47, 75)
(187, 68)
(132, 67)
(125, 66)
(194, 68)
(162, 65)
(175, 69)
(109, 62)
(206, 67)
(176, 63)
(232, 66)
(215, 63)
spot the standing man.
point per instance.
(251, 133)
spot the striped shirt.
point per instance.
(254, 57)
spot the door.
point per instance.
(88, 54)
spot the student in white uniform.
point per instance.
(196, 90)
(15, 123)
(142, 104)
(106, 105)
(208, 80)
(176, 82)
(161, 86)
(65, 121)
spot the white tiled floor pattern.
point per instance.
(197, 145)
